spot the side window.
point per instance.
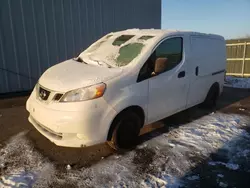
(147, 69)
(172, 50)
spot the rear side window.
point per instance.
(172, 50)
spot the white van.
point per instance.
(124, 81)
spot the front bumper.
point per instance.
(77, 124)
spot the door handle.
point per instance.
(197, 71)
(181, 74)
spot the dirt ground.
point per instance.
(13, 120)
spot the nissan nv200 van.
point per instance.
(123, 81)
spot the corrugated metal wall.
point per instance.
(36, 34)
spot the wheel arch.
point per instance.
(211, 96)
(135, 108)
(215, 86)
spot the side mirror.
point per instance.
(160, 65)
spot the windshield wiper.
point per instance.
(79, 59)
(109, 66)
(101, 62)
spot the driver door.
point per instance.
(168, 90)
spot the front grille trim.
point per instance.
(57, 96)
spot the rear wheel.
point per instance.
(212, 97)
(126, 131)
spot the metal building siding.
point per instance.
(36, 34)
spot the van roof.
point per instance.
(161, 32)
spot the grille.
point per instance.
(43, 93)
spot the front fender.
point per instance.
(132, 95)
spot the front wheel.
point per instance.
(127, 129)
(212, 97)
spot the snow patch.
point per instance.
(232, 166)
(228, 165)
(22, 164)
(195, 177)
(21, 179)
(161, 161)
(158, 181)
(244, 153)
(220, 175)
(68, 167)
(142, 146)
(221, 184)
(105, 51)
(236, 82)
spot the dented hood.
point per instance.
(71, 75)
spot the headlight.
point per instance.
(83, 94)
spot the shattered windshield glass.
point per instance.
(128, 52)
(115, 51)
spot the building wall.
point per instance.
(36, 34)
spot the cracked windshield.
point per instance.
(116, 51)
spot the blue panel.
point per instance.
(86, 23)
(60, 30)
(4, 85)
(77, 28)
(97, 19)
(22, 60)
(68, 28)
(37, 34)
(32, 41)
(91, 23)
(41, 34)
(8, 43)
(51, 31)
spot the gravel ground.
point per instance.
(195, 148)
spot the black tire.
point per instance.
(212, 97)
(126, 131)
